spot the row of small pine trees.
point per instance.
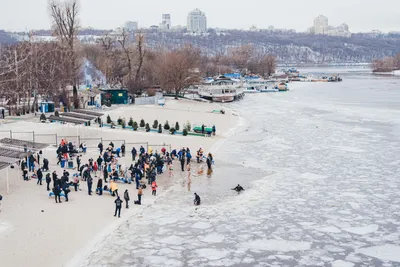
(186, 127)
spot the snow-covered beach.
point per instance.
(36, 231)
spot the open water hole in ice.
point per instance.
(320, 165)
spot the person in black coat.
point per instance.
(78, 162)
(48, 181)
(55, 177)
(39, 176)
(123, 150)
(99, 162)
(196, 199)
(126, 197)
(57, 192)
(45, 165)
(89, 184)
(105, 173)
(100, 146)
(118, 204)
(100, 187)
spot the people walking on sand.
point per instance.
(196, 199)
(209, 163)
(57, 192)
(105, 173)
(188, 156)
(140, 194)
(118, 204)
(182, 159)
(99, 187)
(45, 165)
(76, 182)
(95, 169)
(89, 184)
(48, 181)
(133, 152)
(55, 177)
(123, 150)
(113, 188)
(126, 197)
(154, 188)
(100, 146)
(99, 162)
(78, 162)
(39, 176)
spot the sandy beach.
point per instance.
(35, 231)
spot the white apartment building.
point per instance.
(166, 22)
(197, 21)
(320, 24)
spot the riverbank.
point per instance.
(36, 231)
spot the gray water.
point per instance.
(320, 165)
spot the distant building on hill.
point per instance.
(197, 21)
(322, 27)
(166, 22)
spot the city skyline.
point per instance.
(299, 16)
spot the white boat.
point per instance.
(251, 90)
(221, 89)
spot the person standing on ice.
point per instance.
(154, 188)
(100, 146)
(48, 181)
(197, 200)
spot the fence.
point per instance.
(152, 100)
(55, 140)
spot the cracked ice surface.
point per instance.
(321, 170)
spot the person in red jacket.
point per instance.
(154, 188)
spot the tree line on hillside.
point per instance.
(53, 69)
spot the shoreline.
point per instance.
(90, 248)
(76, 227)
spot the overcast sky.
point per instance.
(360, 15)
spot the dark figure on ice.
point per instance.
(48, 181)
(196, 199)
(238, 188)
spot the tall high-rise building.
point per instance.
(166, 22)
(320, 25)
(197, 21)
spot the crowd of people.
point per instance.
(143, 172)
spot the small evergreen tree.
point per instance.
(109, 119)
(166, 126)
(130, 122)
(185, 132)
(159, 128)
(155, 124)
(147, 127)
(142, 123)
(172, 130)
(188, 126)
(177, 126)
(135, 126)
(119, 121)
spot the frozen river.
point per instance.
(321, 168)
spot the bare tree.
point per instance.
(179, 69)
(65, 26)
